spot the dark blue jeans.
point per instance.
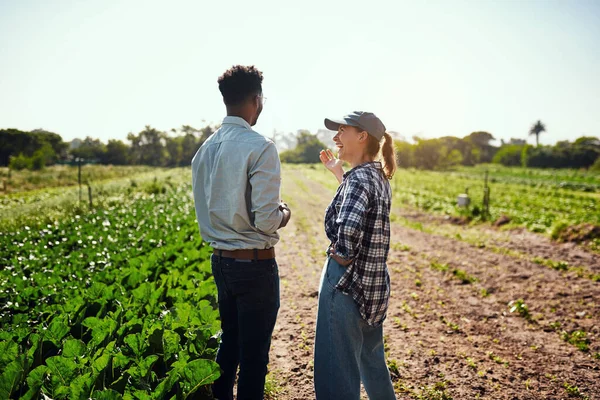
(248, 303)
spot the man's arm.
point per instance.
(265, 181)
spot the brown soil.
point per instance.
(580, 233)
(449, 326)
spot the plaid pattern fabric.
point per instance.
(357, 222)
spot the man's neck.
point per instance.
(240, 114)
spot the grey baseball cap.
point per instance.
(365, 120)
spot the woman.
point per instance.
(355, 284)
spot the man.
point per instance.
(236, 181)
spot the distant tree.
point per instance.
(59, 147)
(14, 142)
(536, 129)
(484, 152)
(427, 153)
(404, 154)
(189, 146)
(509, 155)
(20, 162)
(480, 138)
(451, 158)
(307, 149)
(148, 147)
(174, 151)
(117, 153)
(90, 149)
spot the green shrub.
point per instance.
(20, 162)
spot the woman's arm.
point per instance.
(332, 164)
(351, 220)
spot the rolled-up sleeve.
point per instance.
(265, 181)
(351, 220)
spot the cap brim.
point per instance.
(334, 124)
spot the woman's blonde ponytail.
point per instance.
(389, 158)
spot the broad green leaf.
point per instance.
(133, 324)
(31, 394)
(62, 392)
(8, 352)
(101, 329)
(143, 293)
(170, 343)
(34, 341)
(11, 377)
(136, 343)
(97, 291)
(146, 364)
(62, 370)
(57, 329)
(73, 348)
(100, 363)
(138, 394)
(36, 377)
(91, 322)
(121, 361)
(165, 385)
(134, 279)
(107, 394)
(81, 387)
(199, 373)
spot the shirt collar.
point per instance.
(370, 164)
(236, 121)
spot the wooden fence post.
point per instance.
(90, 195)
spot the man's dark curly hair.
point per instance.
(239, 82)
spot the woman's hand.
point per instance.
(332, 163)
(342, 261)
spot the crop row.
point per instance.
(116, 303)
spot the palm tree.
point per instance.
(536, 129)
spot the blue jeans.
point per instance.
(347, 349)
(248, 295)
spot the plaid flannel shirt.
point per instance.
(357, 222)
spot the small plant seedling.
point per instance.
(520, 307)
(577, 338)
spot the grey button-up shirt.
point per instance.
(236, 178)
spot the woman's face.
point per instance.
(350, 142)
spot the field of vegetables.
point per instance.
(541, 200)
(115, 302)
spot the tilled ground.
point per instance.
(450, 330)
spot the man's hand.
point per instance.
(287, 214)
(332, 163)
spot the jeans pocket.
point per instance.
(334, 273)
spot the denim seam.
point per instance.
(330, 344)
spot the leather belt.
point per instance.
(253, 254)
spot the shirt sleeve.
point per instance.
(351, 219)
(265, 181)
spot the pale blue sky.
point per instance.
(434, 68)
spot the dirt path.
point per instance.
(449, 330)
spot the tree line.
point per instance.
(38, 148)
(447, 152)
